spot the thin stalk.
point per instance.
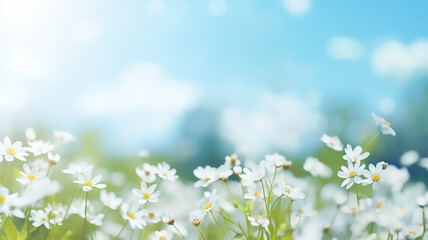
(179, 231)
(230, 192)
(424, 222)
(247, 214)
(371, 228)
(218, 226)
(121, 230)
(84, 220)
(230, 220)
(71, 200)
(356, 194)
(264, 198)
(274, 203)
(49, 169)
(370, 143)
(202, 235)
(4, 172)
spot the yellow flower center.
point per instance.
(233, 160)
(352, 174)
(386, 123)
(52, 215)
(207, 179)
(376, 178)
(88, 183)
(256, 194)
(10, 151)
(164, 174)
(43, 218)
(162, 238)
(288, 190)
(147, 172)
(379, 205)
(2, 198)
(130, 215)
(412, 233)
(151, 214)
(146, 195)
(301, 210)
(331, 144)
(31, 176)
(207, 206)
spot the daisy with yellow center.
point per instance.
(373, 175)
(351, 174)
(131, 214)
(146, 194)
(88, 182)
(10, 150)
(29, 175)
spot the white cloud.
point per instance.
(298, 7)
(345, 48)
(217, 7)
(274, 122)
(142, 91)
(155, 8)
(85, 31)
(23, 63)
(401, 62)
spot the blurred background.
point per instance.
(192, 81)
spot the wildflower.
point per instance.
(413, 232)
(162, 235)
(53, 159)
(196, 217)
(30, 134)
(305, 210)
(147, 173)
(355, 155)
(424, 163)
(409, 158)
(12, 207)
(168, 218)
(55, 213)
(232, 161)
(89, 182)
(252, 176)
(40, 147)
(422, 200)
(78, 169)
(39, 217)
(238, 170)
(207, 204)
(143, 153)
(146, 193)
(152, 216)
(316, 168)
(254, 192)
(64, 137)
(96, 219)
(29, 174)
(11, 151)
(223, 173)
(384, 125)
(373, 176)
(206, 175)
(166, 173)
(332, 142)
(131, 214)
(290, 192)
(259, 221)
(109, 199)
(351, 174)
(276, 159)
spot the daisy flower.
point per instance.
(252, 176)
(355, 155)
(29, 174)
(147, 173)
(131, 214)
(162, 235)
(332, 142)
(373, 176)
(409, 158)
(4, 194)
(11, 207)
(254, 192)
(259, 221)
(89, 182)
(109, 199)
(152, 216)
(95, 219)
(30, 134)
(316, 168)
(53, 159)
(232, 160)
(351, 174)
(166, 173)
(206, 204)
(276, 160)
(383, 125)
(196, 217)
(146, 194)
(223, 173)
(55, 213)
(206, 175)
(11, 151)
(64, 137)
(290, 192)
(78, 169)
(40, 147)
(39, 217)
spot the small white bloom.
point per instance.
(29, 174)
(206, 175)
(109, 199)
(317, 168)
(40, 147)
(146, 193)
(53, 159)
(89, 182)
(165, 172)
(64, 137)
(152, 216)
(252, 176)
(39, 217)
(147, 173)
(409, 158)
(276, 159)
(232, 161)
(355, 155)
(196, 216)
(290, 192)
(30, 134)
(55, 213)
(259, 221)
(162, 235)
(384, 125)
(78, 169)
(11, 151)
(254, 192)
(238, 170)
(424, 163)
(332, 142)
(351, 174)
(373, 176)
(131, 214)
(96, 219)
(207, 204)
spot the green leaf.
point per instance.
(238, 235)
(10, 229)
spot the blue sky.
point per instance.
(65, 59)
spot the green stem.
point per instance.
(424, 222)
(200, 233)
(264, 198)
(121, 230)
(370, 143)
(4, 172)
(218, 226)
(237, 201)
(71, 200)
(49, 169)
(179, 231)
(274, 203)
(28, 222)
(230, 220)
(371, 228)
(356, 193)
(84, 220)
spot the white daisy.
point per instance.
(30, 134)
(165, 172)
(290, 192)
(231, 161)
(147, 173)
(89, 182)
(78, 169)
(355, 155)
(409, 158)
(351, 174)
(384, 125)
(131, 214)
(276, 160)
(259, 221)
(317, 168)
(29, 174)
(373, 176)
(53, 159)
(152, 216)
(11, 151)
(64, 137)
(332, 142)
(252, 176)
(40, 147)
(146, 194)
(254, 192)
(109, 199)
(39, 217)
(162, 235)
(206, 175)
